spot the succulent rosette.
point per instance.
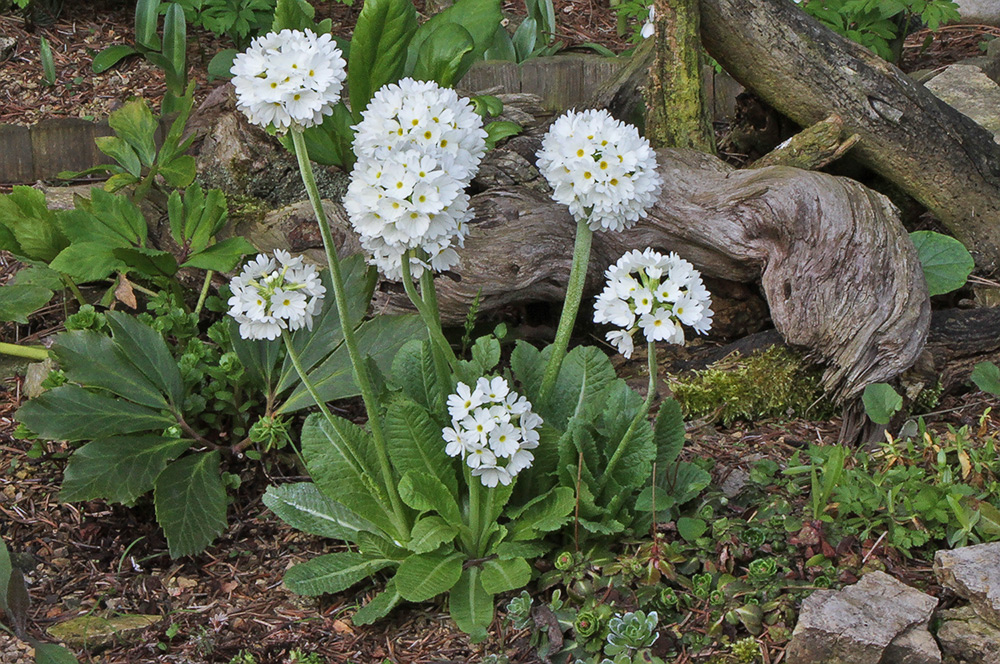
(277, 293)
(493, 429)
(601, 168)
(289, 78)
(655, 293)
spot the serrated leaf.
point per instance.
(499, 576)
(37, 275)
(986, 376)
(379, 606)
(543, 514)
(258, 357)
(668, 434)
(429, 533)
(486, 354)
(135, 124)
(989, 519)
(111, 56)
(179, 171)
(150, 262)
(946, 262)
(293, 15)
(73, 413)
(119, 468)
(190, 503)
(530, 550)
(630, 439)
(675, 485)
(881, 402)
(303, 507)
(144, 347)
(471, 607)
(413, 369)
(423, 576)
(86, 261)
(94, 360)
(34, 228)
(417, 444)
(120, 151)
(223, 256)
(427, 493)
(17, 302)
(332, 573)
(583, 377)
(378, 48)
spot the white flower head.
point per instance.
(275, 294)
(289, 77)
(601, 168)
(648, 27)
(493, 436)
(656, 294)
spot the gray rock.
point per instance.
(878, 620)
(7, 47)
(966, 638)
(35, 374)
(970, 91)
(294, 228)
(973, 572)
(93, 632)
(734, 483)
(986, 12)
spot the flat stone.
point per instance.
(858, 624)
(7, 47)
(966, 638)
(93, 632)
(986, 12)
(973, 572)
(970, 91)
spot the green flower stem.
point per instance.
(357, 362)
(204, 292)
(444, 356)
(430, 299)
(639, 418)
(574, 293)
(37, 353)
(74, 289)
(475, 513)
(487, 510)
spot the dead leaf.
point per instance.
(124, 292)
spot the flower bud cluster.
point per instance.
(656, 293)
(600, 168)
(289, 77)
(493, 429)
(275, 294)
(418, 147)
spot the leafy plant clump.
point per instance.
(768, 383)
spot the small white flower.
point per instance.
(289, 77)
(622, 340)
(493, 475)
(505, 440)
(479, 423)
(463, 401)
(648, 28)
(495, 390)
(480, 456)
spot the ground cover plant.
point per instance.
(529, 477)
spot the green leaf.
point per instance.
(429, 533)
(111, 56)
(378, 49)
(510, 550)
(119, 468)
(441, 57)
(634, 443)
(330, 143)
(691, 529)
(486, 354)
(471, 607)
(73, 413)
(147, 15)
(190, 503)
(87, 261)
(135, 124)
(332, 573)
(180, 171)
(145, 348)
(120, 151)
(583, 378)
(34, 227)
(985, 375)
(480, 18)
(259, 358)
(524, 38)
(118, 181)
(221, 64)
(881, 402)
(149, 262)
(498, 130)
(668, 434)
(303, 507)
(413, 368)
(175, 48)
(417, 445)
(946, 262)
(989, 521)
(6, 568)
(379, 338)
(48, 63)
(52, 653)
(502, 48)
(675, 485)
(544, 514)
(423, 576)
(379, 606)
(223, 256)
(105, 217)
(37, 275)
(293, 15)
(427, 493)
(499, 576)
(93, 360)
(17, 302)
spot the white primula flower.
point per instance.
(648, 28)
(493, 436)
(668, 292)
(289, 78)
(275, 294)
(601, 168)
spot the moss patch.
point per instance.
(775, 382)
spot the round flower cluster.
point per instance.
(493, 429)
(418, 147)
(656, 293)
(601, 168)
(289, 77)
(275, 294)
